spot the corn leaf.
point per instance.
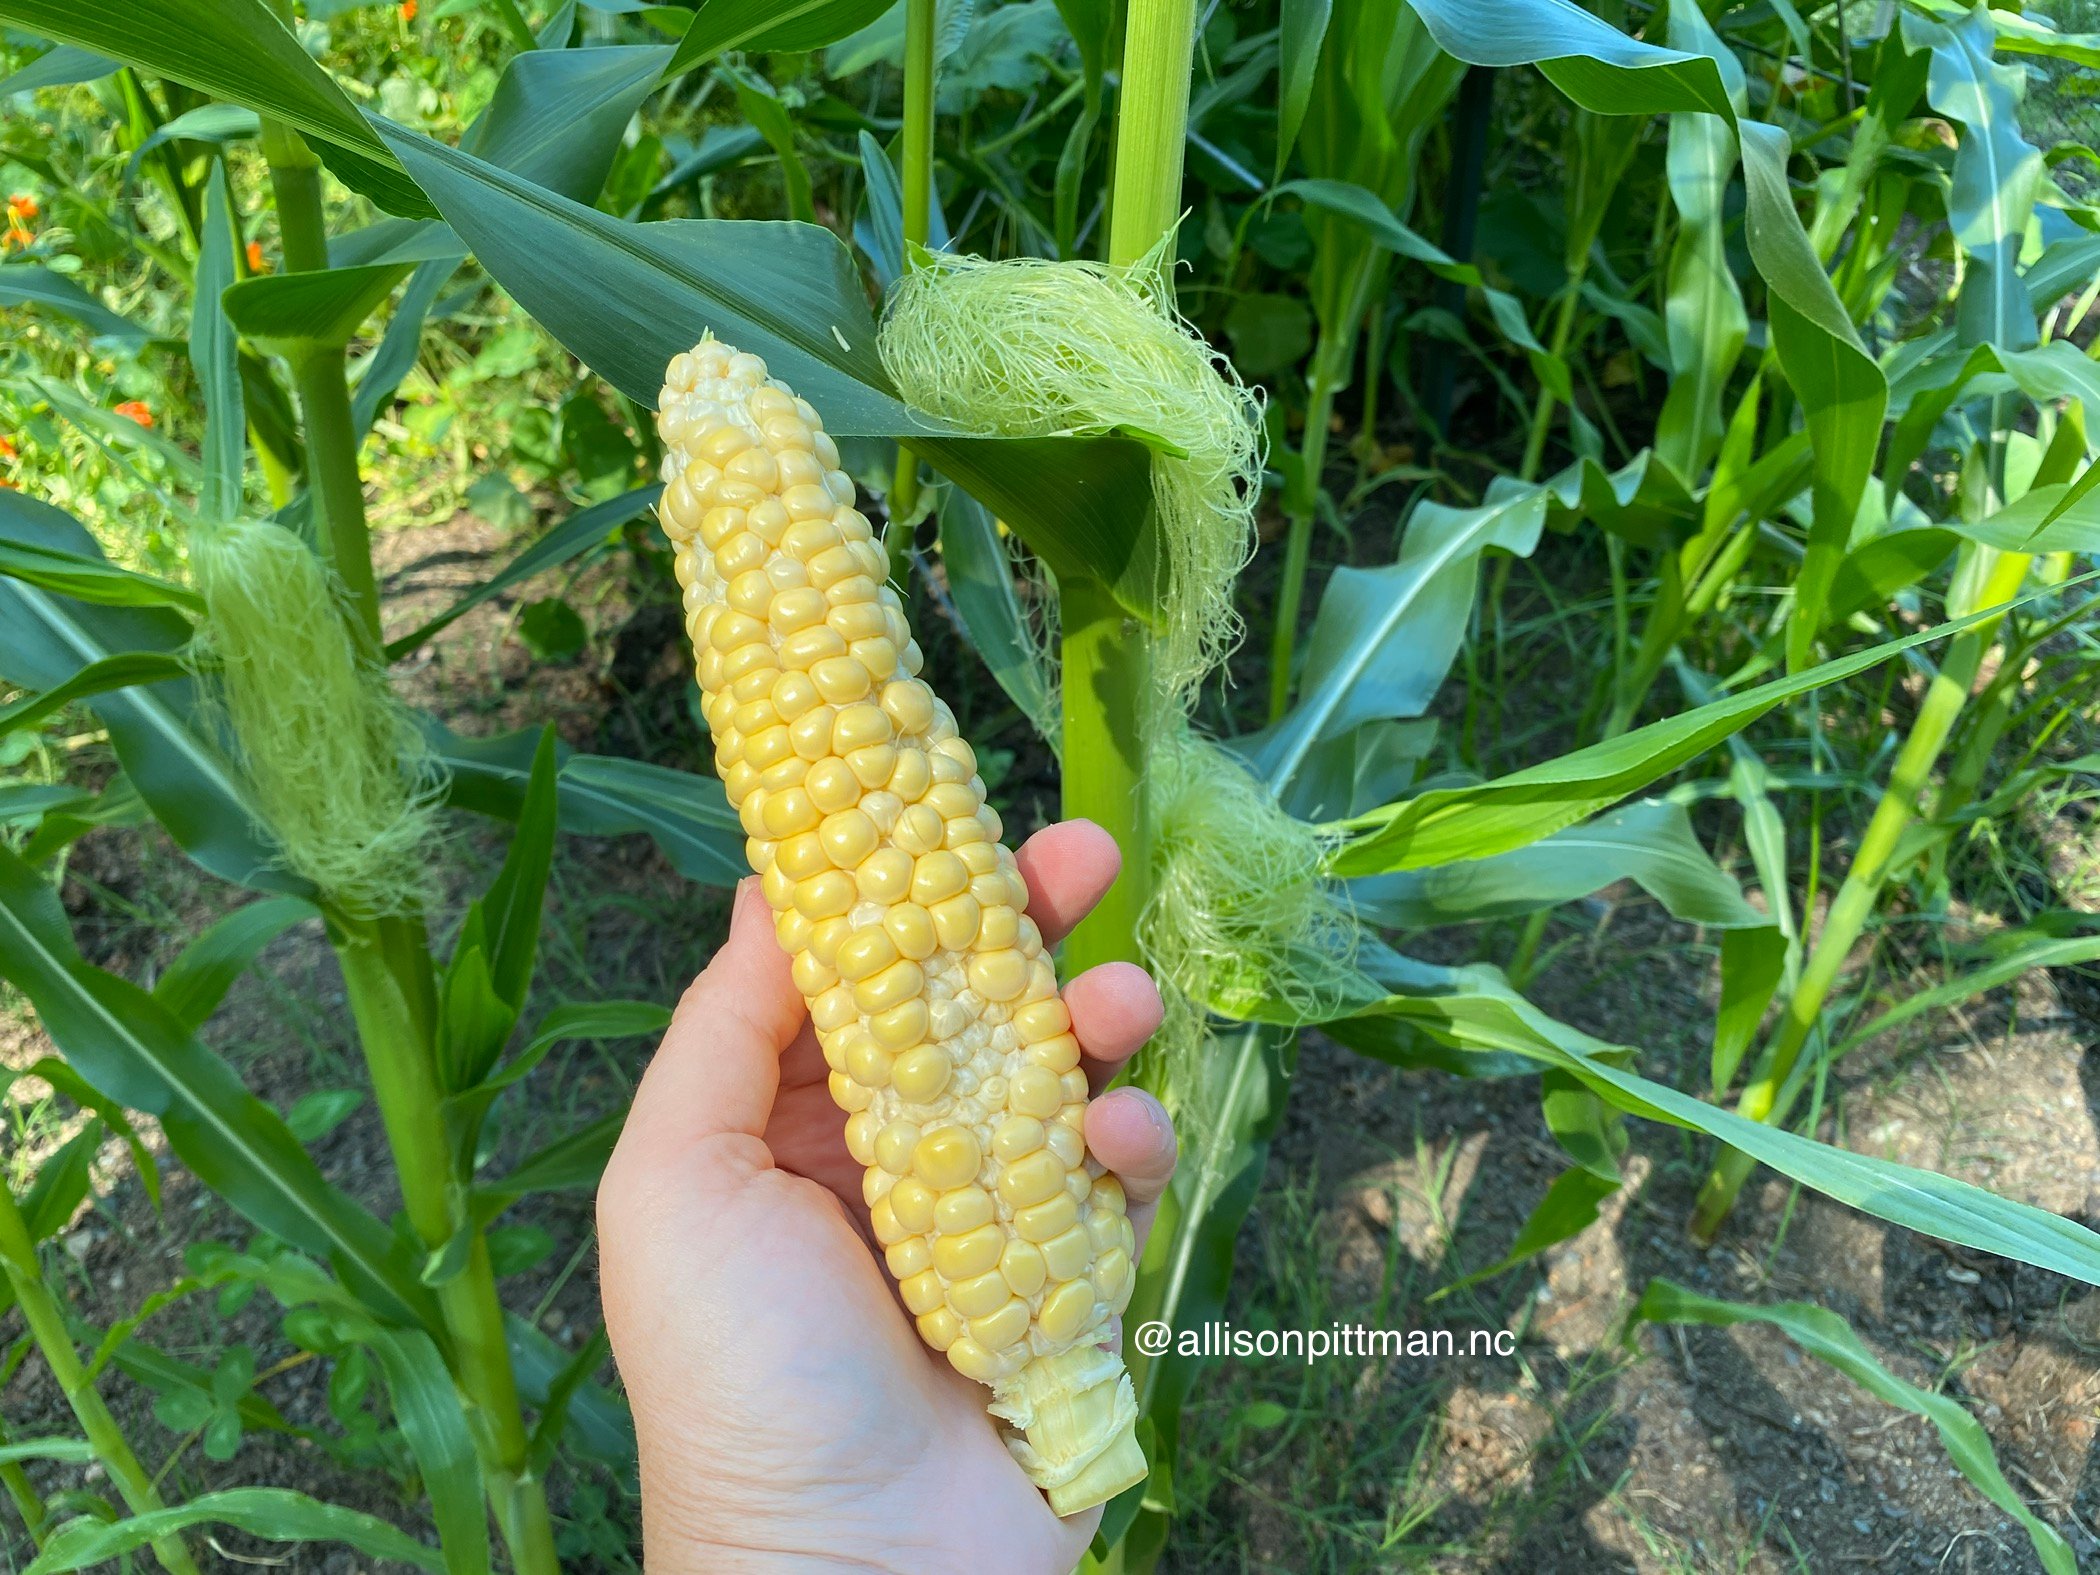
(1384, 638)
(1650, 843)
(687, 816)
(132, 1049)
(300, 314)
(1997, 174)
(197, 980)
(1827, 1337)
(236, 50)
(1450, 824)
(62, 66)
(787, 292)
(1473, 1010)
(1703, 314)
(760, 26)
(275, 1514)
(215, 354)
(27, 284)
(980, 582)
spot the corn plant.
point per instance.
(250, 715)
(98, 1531)
(1264, 871)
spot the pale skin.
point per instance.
(788, 1415)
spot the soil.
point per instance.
(1589, 1450)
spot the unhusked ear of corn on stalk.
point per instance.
(930, 988)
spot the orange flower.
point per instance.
(22, 206)
(7, 449)
(16, 236)
(408, 10)
(255, 258)
(137, 410)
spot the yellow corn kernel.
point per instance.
(832, 786)
(1111, 1273)
(884, 876)
(947, 1157)
(860, 1141)
(940, 1328)
(1065, 1256)
(1040, 1020)
(997, 1330)
(998, 976)
(809, 735)
(847, 836)
(901, 1027)
(800, 857)
(839, 678)
(921, 1075)
(848, 1095)
(825, 896)
(908, 1257)
(1059, 1054)
(914, 1204)
(787, 813)
(909, 704)
(1064, 1311)
(1016, 1136)
(895, 985)
(963, 1209)
(1033, 1091)
(970, 1254)
(1031, 1179)
(884, 1222)
(810, 975)
(873, 765)
(1042, 1222)
(1023, 1266)
(867, 951)
(867, 1063)
(972, 1360)
(999, 930)
(919, 832)
(833, 1009)
(924, 1292)
(893, 1146)
(937, 876)
(911, 927)
(955, 922)
(984, 1293)
(909, 778)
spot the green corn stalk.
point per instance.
(1107, 656)
(387, 968)
(920, 25)
(1771, 1094)
(47, 1327)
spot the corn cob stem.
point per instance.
(930, 989)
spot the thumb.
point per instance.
(718, 1068)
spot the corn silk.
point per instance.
(1240, 912)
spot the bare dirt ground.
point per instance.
(1679, 1451)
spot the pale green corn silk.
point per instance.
(342, 777)
(1240, 910)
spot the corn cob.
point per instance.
(906, 919)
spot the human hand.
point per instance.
(788, 1415)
